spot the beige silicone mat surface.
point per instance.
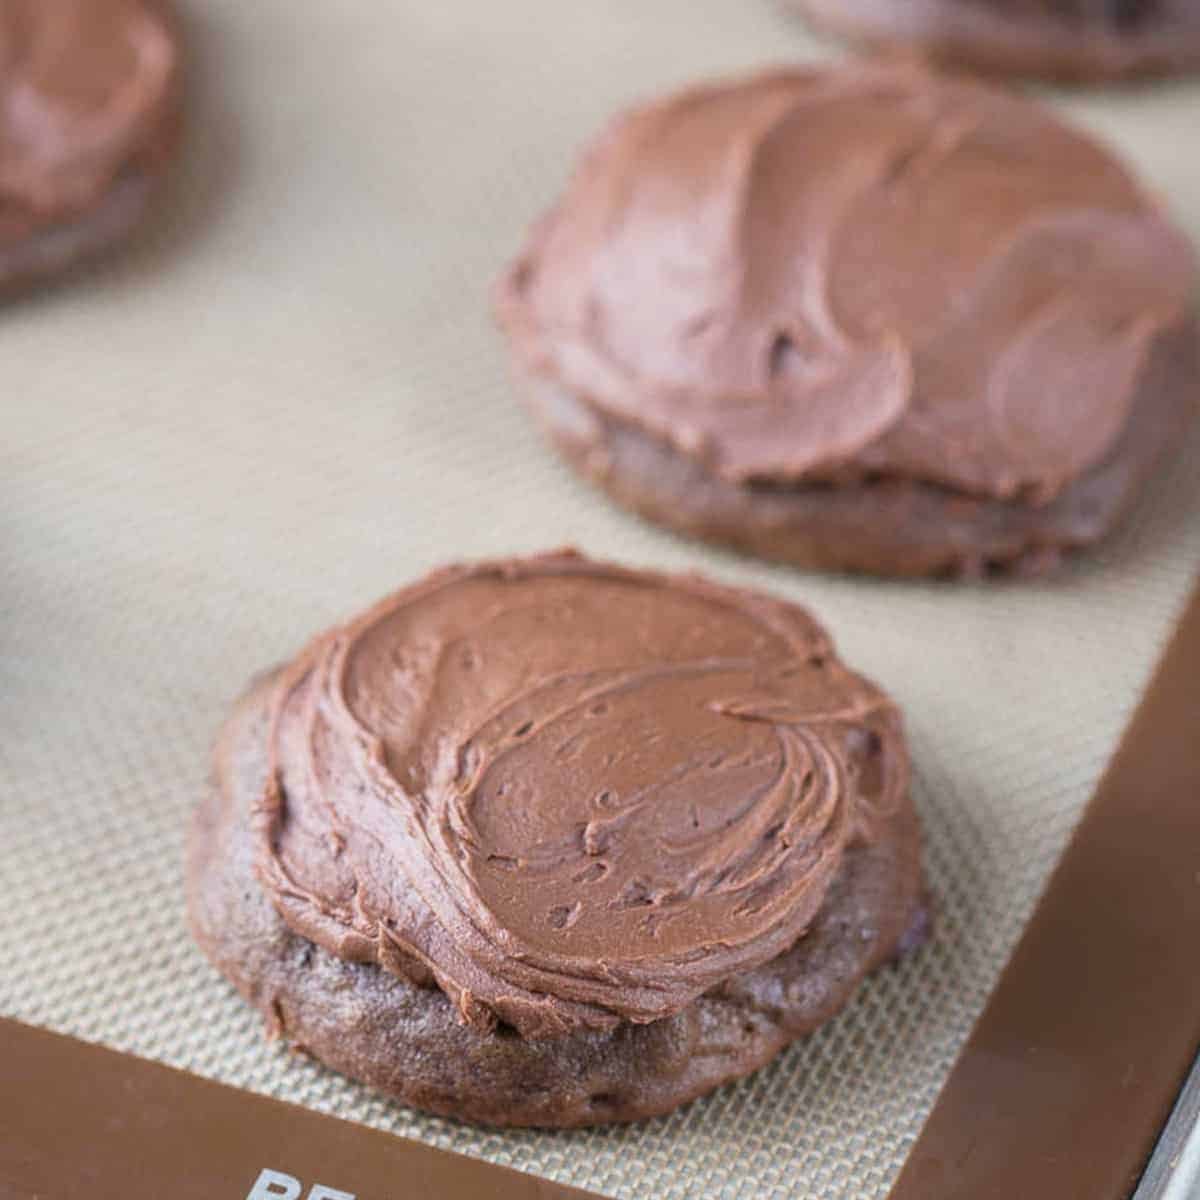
(290, 399)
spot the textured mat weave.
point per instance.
(290, 400)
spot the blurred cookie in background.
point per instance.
(1071, 41)
(89, 115)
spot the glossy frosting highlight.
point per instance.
(568, 793)
(865, 271)
(84, 85)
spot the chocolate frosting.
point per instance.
(568, 793)
(83, 88)
(865, 271)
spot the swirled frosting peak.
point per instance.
(568, 793)
(826, 274)
(83, 88)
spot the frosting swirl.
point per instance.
(84, 85)
(568, 793)
(871, 270)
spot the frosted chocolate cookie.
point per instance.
(864, 318)
(551, 842)
(89, 96)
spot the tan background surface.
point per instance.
(290, 400)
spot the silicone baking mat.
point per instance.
(289, 400)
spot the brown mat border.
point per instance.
(81, 1122)
(1069, 1075)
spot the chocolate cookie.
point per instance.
(864, 318)
(88, 120)
(551, 842)
(1072, 41)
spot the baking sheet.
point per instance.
(290, 400)
(1173, 1172)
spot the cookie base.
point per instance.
(883, 527)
